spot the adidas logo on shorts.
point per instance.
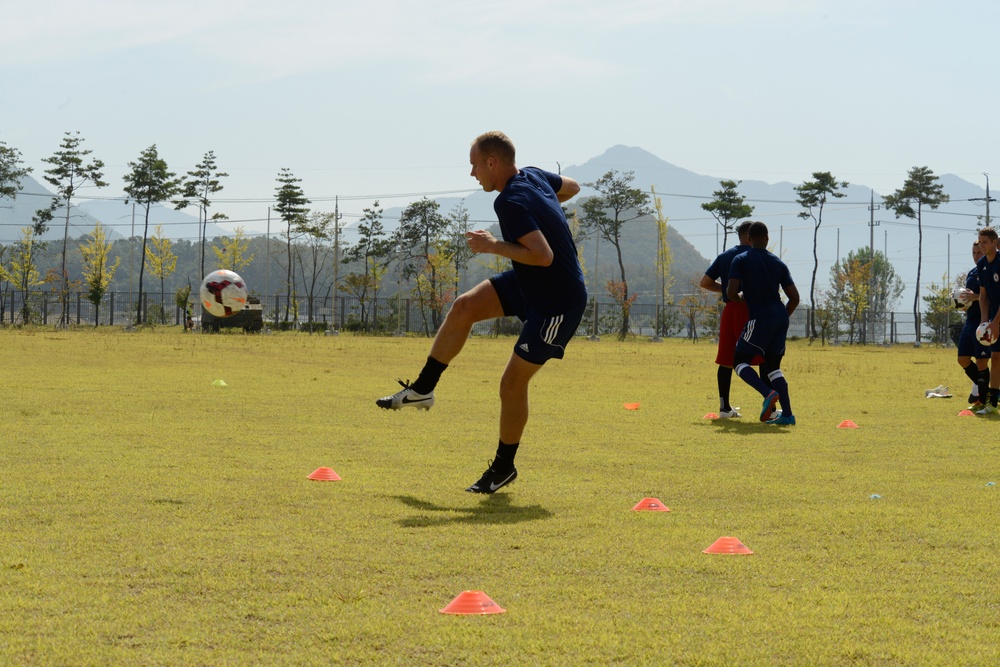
(524, 346)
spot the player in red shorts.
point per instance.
(734, 317)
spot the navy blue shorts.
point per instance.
(543, 337)
(968, 346)
(765, 337)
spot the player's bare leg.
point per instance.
(479, 303)
(513, 418)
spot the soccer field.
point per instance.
(149, 516)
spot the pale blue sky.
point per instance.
(382, 97)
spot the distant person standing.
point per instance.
(973, 356)
(988, 273)
(759, 274)
(544, 289)
(734, 316)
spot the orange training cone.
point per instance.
(472, 602)
(650, 505)
(324, 475)
(728, 545)
(630, 406)
(711, 415)
(847, 423)
(965, 413)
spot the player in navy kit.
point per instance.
(759, 274)
(973, 356)
(988, 272)
(734, 317)
(544, 289)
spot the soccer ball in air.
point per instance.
(983, 334)
(962, 297)
(223, 293)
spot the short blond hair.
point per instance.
(495, 144)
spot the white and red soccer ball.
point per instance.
(983, 334)
(223, 293)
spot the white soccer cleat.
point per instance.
(406, 398)
(729, 414)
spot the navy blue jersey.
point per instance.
(720, 267)
(972, 284)
(760, 274)
(527, 203)
(989, 279)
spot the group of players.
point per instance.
(981, 299)
(545, 289)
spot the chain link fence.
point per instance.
(397, 316)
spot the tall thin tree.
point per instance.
(813, 196)
(920, 189)
(196, 188)
(292, 205)
(616, 204)
(149, 182)
(728, 208)
(69, 173)
(12, 170)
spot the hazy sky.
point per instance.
(382, 97)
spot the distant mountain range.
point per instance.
(115, 216)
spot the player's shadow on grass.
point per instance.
(494, 509)
(750, 427)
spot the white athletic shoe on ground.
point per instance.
(406, 398)
(729, 414)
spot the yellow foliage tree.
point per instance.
(98, 271)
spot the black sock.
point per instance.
(429, 376)
(504, 459)
(994, 396)
(983, 384)
(725, 378)
(972, 370)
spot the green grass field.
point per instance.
(148, 517)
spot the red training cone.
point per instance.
(472, 602)
(630, 406)
(965, 413)
(847, 423)
(650, 505)
(324, 475)
(711, 415)
(728, 545)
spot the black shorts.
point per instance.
(543, 337)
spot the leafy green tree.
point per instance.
(664, 259)
(318, 231)
(920, 189)
(69, 173)
(98, 271)
(940, 310)
(23, 268)
(457, 247)
(421, 226)
(232, 256)
(372, 248)
(196, 188)
(12, 170)
(292, 206)
(728, 208)
(813, 196)
(616, 204)
(162, 262)
(149, 182)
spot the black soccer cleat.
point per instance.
(491, 481)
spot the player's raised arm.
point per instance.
(568, 190)
(531, 249)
